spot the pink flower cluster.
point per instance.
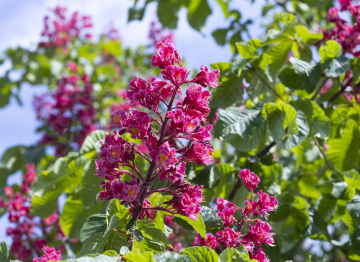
(51, 254)
(157, 34)
(345, 33)
(60, 31)
(68, 115)
(26, 240)
(171, 139)
(232, 237)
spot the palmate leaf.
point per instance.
(343, 152)
(92, 141)
(242, 128)
(4, 252)
(100, 258)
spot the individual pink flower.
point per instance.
(203, 134)
(227, 216)
(130, 192)
(206, 78)
(333, 14)
(183, 122)
(265, 203)
(250, 179)
(119, 119)
(8, 191)
(259, 255)
(176, 74)
(199, 154)
(174, 173)
(165, 156)
(259, 233)
(164, 88)
(139, 124)
(197, 100)
(223, 204)
(143, 94)
(166, 55)
(229, 238)
(211, 241)
(51, 254)
(30, 175)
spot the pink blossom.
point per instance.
(229, 238)
(165, 88)
(227, 216)
(333, 14)
(211, 241)
(203, 134)
(165, 156)
(183, 122)
(206, 78)
(130, 192)
(166, 55)
(223, 204)
(174, 173)
(260, 233)
(8, 191)
(50, 255)
(119, 119)
(176, 74)
(139, 124)
(199, 154)
(259, 255)
(197, 100)
(265, 203)
(250, 179)
(143, 94)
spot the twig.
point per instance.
(319, 89)
(341, 90)
(234, 191)
(265, 150)
(323, 154)
(266, 83)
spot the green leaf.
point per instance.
(136, 14)
(168, 12)
(92, 141)
(343, 152)
(303, 75)
(318, 122)
(4, 252)
(100, 258)
(285, 117)
(220, 36)
(354, 208)
(113, 208)
(242, 128)
(93, 245)
(229, 92)
(93, 224)
(233, 255)
(335, 67)
(159, 222)
(168, 256)
(210, 217)
(198, 225)
(32, 154)
(198, 11)
(247, 51)
(201, 254)
(74, 215)
(139, 255)
(90, 185)
(218, 171)
(355, 67)
(12, 160)
(154, 234)
(115, 241)
(307, 36)
(331, 49)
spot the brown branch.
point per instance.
(234, 191)
(265, 150)
(341, 90)
(319, 89)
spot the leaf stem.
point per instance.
(323, 153)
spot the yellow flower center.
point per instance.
(135, 130)
(163, 158)
(116, 119)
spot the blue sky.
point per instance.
(22, 21)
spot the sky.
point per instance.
(22, 21)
